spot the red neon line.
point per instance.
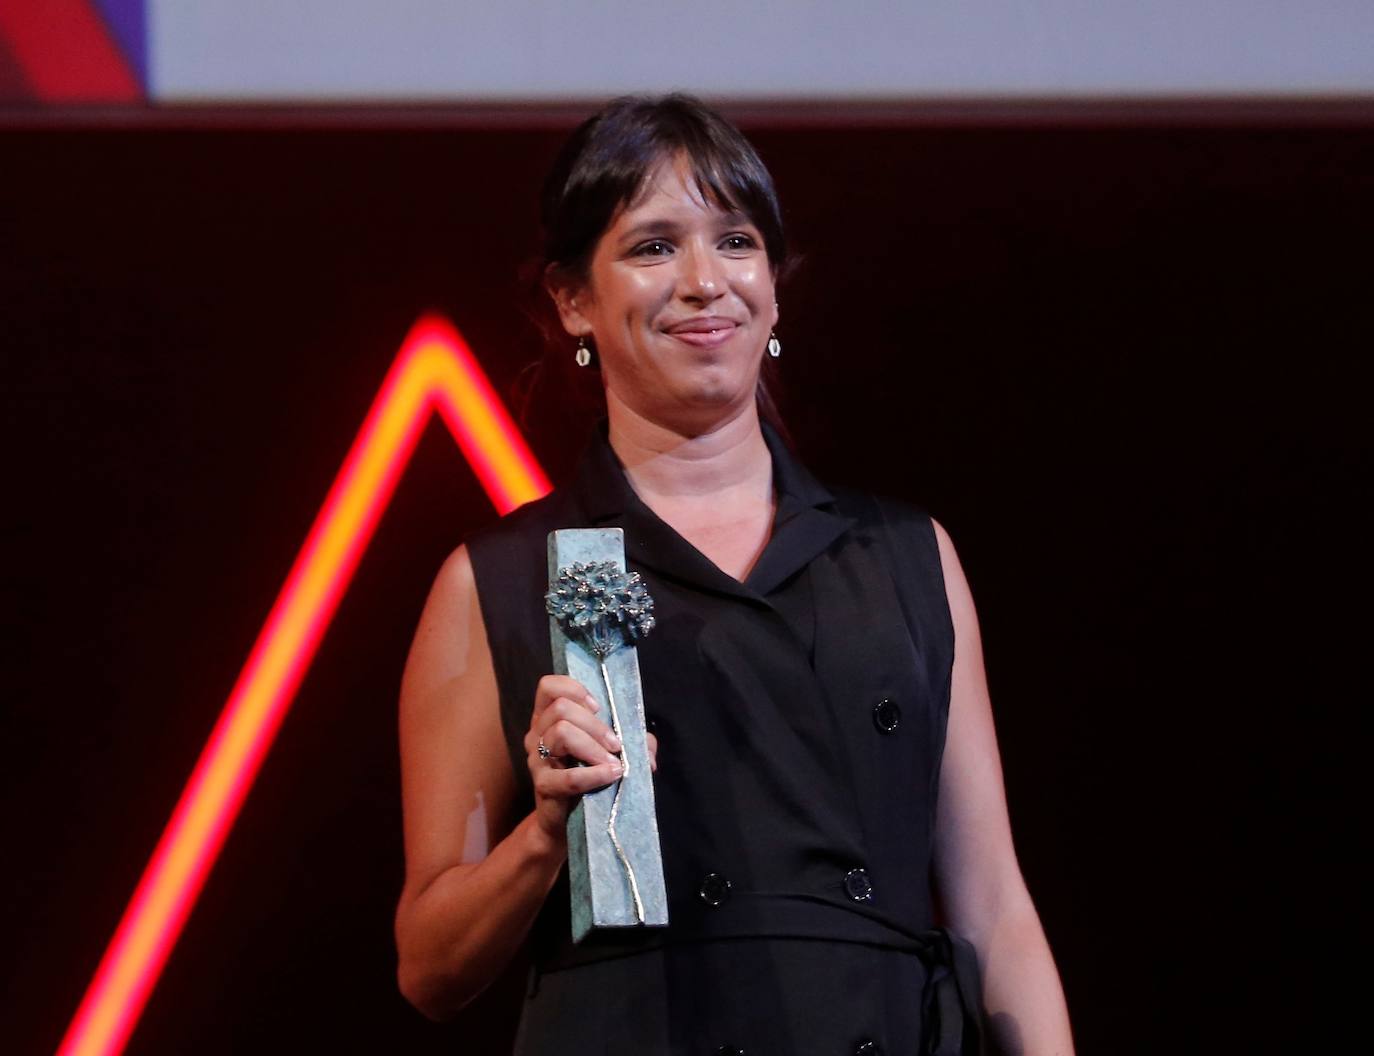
(67, 54)
(434, 370)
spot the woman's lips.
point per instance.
(704, 333)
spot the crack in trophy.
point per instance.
(597, 612)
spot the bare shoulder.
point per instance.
(961, 608)
(948, 555)
(455, 587)
(450, 636)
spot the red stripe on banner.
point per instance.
(66, 53)
(13, 85)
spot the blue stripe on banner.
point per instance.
(128, 24)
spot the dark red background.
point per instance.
(1121, 356)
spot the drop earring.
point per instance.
(583, 356)
(774, 345)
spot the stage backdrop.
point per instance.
(1123, 363)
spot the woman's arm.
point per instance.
(979, 879)
(474, 884)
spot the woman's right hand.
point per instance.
(582, 750)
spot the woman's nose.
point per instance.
(702, 277)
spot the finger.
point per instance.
(567, 740)
(564, 710)
(652, 742)
(560, 687)
(574, 781)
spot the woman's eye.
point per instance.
(655, 247)
(738, 242)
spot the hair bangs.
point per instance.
(607, 164)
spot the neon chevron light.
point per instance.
(434, 371)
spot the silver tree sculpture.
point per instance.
(602, 608)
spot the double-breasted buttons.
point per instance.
(714, 889)
(868, 1047)
(887, 716)
(857, 885)
(729, 1050)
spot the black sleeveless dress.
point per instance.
(801, 720)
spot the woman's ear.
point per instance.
(567, 296)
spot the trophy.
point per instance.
(597, 612)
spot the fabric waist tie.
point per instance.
(951, 1003)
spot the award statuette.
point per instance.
(597, 611)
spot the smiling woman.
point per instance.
(605, 170)
(825, 756)
(679, 300)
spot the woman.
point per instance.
(815, 680)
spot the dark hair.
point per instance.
(604, 164)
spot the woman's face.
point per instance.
(679, 302)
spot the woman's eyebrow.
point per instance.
(652, 226)
(665, 227)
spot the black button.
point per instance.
(650, 724)
(868, 1048)
(857, 885)
(714, 889)
(729, 1050)
(886, 715)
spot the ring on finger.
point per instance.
(543, 749)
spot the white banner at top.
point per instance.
(542, 50)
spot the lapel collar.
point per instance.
(804, 526)
(606, 498)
